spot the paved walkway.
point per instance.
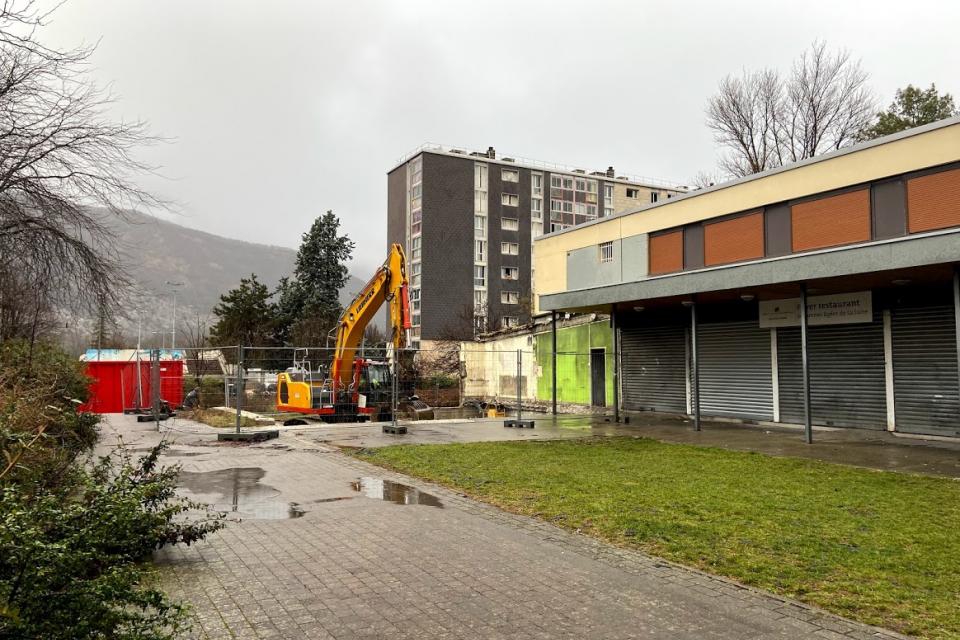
(309, 554)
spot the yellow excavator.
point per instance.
(355, 386)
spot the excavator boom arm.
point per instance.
(388, 285)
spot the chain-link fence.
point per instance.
(253, 385)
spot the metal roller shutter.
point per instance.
(735, 371)
(925, 370)
(847, 384)
(652, 361)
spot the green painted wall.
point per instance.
(573, 362)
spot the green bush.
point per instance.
(41, 432)
(71, 555)
(73, 535)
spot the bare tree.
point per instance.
(743, 116)
(826, 105)
(764, 121)
(60, 156)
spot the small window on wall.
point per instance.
(510, 199)
(555, 181)
(633, 193)
(509, 321)
(479, 276)
(606, 252)
(509, 224)
(509, 248)
(480, 251)
(510, 273)
(510, 175)
(654, 196)
(416, 248)
(509, 297)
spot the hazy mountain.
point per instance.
(156, 251)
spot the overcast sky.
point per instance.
(280, 110)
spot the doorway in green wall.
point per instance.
(598, 377)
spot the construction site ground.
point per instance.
(322, 545)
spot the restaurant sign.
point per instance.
(840, 308)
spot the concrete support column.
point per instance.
(888, 371)
(775, 373)
(805, 357)
(616, 363)
(553, 356)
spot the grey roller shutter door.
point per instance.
(652, 361)
(925, 370)
(847, 383)
(735, 370)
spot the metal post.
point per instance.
(553, 327)
(519, 391)
(694, 351)
(805, 357)
(139, 374)
(239, 385)
(155, 385)
(616, 364)
(395, 386)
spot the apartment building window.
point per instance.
(654, 196)
(536, 184)
(633, 193)
(509, 248)
(479, 250)
(415, 299)
(415, 319)
(416, 225)
(536, 229)
(606, 251)
(567, 206)
(415, 244)
(480, 201)
(607, 211)
(480, 177)
(591, 211)
(580, 208)
(536, 209)
(557, 226)
(479, 301)
(417, 191)
(509, 297)
(556, 182)
(509, 224)
(510, 175)
(608, 191)
(581, 185)
(509, 321)
(556, 205)
(568, 183)
(480, 226)
(479, 275)
(591, 186)
(509, 199)
(509, 273)
(416, 170)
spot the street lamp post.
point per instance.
(173, 319)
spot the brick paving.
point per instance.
(356, 567)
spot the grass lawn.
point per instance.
(879, 547)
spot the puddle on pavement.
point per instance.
(389, 491)
(239, 491)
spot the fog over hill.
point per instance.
(155, 251)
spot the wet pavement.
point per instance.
(374, 554)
